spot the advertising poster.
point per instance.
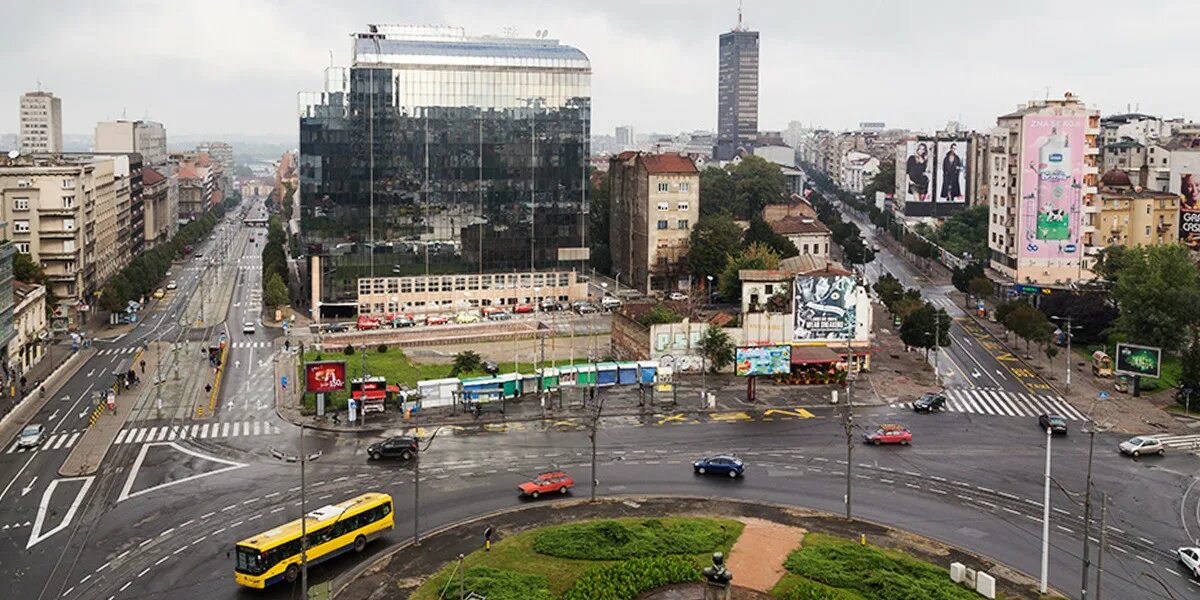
(1051, 186)
(324, 377)
(918, 172)
(1138, 360)
(763, 360)
(952, 172)
(824, 307)
(1189, 210)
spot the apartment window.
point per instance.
(662, 224)
(22, 247)
(683, 224)
(68, 184)
(1147, 230)
(685, 186)
(664, 187)
(683, 206)
(68, 245)
(69, 201)
(21, 226)
(20, 203)
(662, 206)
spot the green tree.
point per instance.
(760, 232)
(1158, 293)
(1110, 261)
(1029, 324)
(757, 183)
(980, 287)
(883, 181)
(1189, 376)
(717, 348)
(889, 289)
(467, 361)
(1091, 314)
(964, 232)
(926, 327)
(961, 278)
(276, 292)
(716, 192)
(659, 314)
(713, 240)
(755, 256)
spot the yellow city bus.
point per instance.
(274, 555)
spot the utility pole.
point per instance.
(1103, 543)
(1046, 520)
(417, 486)
(303, 459)
(597, 406)
(848, 424)
(1087, 511)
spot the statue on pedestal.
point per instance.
(717, 578)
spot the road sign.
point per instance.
(1102, 395)
(283, 380)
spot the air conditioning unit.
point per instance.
(22, 183)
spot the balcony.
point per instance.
(58, 254)
(57, 211)
(62, 277)
(58, 234)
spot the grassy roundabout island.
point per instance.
(620, 559)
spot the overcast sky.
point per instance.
(235, 66)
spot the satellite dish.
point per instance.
(14, 154)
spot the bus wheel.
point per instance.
(360, 542)
(292, 574)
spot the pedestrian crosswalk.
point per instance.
(251, 344)
(116, 351)
(196, 431)
(1189, 441)
(56, 441)
(1003, 403)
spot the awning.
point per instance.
(808, 355)
(393, 389)
(371, 395)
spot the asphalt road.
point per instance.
(160, 517)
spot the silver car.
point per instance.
(31, 437)
(1142, 445)
(1190, 557)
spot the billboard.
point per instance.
(824, 307)
(1051, 186)
(325, 376)
(763, 360)
(918, 172)
(1189, 210)
(951, 176)
(1138, 360)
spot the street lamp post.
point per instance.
(1069, 334)
(303, 459)
(1046, 520)
(709, 289)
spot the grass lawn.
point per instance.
(846, 570)
(516, 553)
(398, 369)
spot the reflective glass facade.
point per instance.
(479, 149)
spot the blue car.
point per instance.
(720, 465)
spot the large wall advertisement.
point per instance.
(918, 172)
(952, 171)
(825, 307)
(933, 177)
(1189, 209)
(1051, 186)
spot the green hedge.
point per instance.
(793, 587)
(620, 539)
(502, 584)
(871, 572)
(626, 579)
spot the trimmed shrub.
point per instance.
(798, 588)
(382, 348)
(872, 573)
(349, 350)
(615, 540)
(626, 579)
(502, 584)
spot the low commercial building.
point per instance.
(30, 328)
(425, 294)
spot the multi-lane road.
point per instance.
(161, 516)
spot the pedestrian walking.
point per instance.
(487, 539)
(143, 365)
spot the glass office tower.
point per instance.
(435, 152)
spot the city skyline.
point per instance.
(871, 51)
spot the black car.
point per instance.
(930, 403)
(335, 328)
(402, 447)
(1055, 423)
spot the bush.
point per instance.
(615, 540)
(502, 584)
(382, 348)
(626, 579)
(871, 572)
(798, 588)
(349, 350)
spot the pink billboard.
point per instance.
(1051, 186)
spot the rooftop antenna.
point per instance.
(39, 83)
(739, 25)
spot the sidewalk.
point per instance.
(24, 411)
(758, 554)
(53, 358)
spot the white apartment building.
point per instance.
(147, 138)
(1047, 151)
(41, 123)
(30, 328)
(857, 170)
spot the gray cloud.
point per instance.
(235, 66)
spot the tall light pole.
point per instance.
(303, 459)
(1070, 334)
(1046, 520)
(417, 487)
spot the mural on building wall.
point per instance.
(1189, 209)
(918, 172)
(825, 307)
(951, 177)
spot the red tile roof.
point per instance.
(797, 225)
(203, 160)
(187, 171)
(669, 163)
(151, 177)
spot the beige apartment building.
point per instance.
(147, 138)
(159, 217)
(30, 328)
(655, 202)
(1131, 215)
(63, 212)
(1044, 165)
(41, 123)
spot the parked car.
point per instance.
(609, 302)
(248, 327)
(585, 308)
(547, 483)
(1190, 557)
(466, 317)
(548, 305)
(488, 311)
(888, 434)
(32, 436)
(678, 296)
(171, 285)
(722, 464)
(403, 447)
(335, 327)
(403, 321)
(930, 403)
(187, 249)
(1140, 445)
(436, 320)
(364, 323)
(522, 309)
(159, 293)
(1054, 423)
(500, 316)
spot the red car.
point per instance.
(365, 323)
(547, 483)
(436, 320)
(521, 309)
(888, 434)
(488, 311)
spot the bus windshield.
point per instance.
(249, 561)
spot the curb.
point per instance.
(52, 384)
(340, 583)
(1017, 355)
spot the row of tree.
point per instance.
(274, 265)
(845, 234)
(922, 325)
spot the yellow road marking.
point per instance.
(676, 418)
(799, 413)
(730, 416)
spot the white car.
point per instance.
(678, 296)
(31, 437)
(609, 303)
(171, 285)
(1142, 445)
(1190, 557)
(248, 327)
